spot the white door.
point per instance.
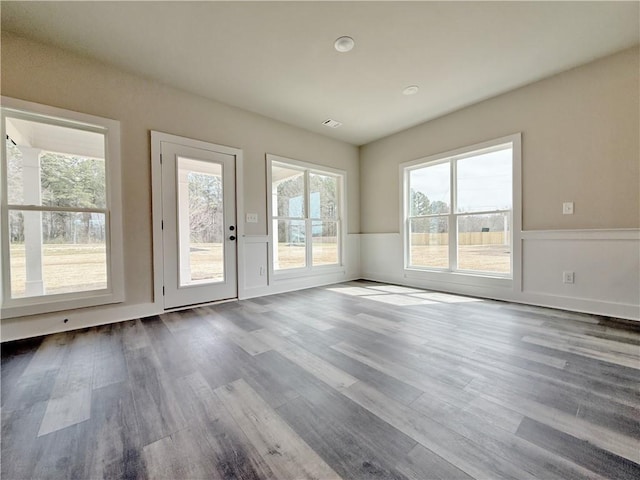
(198, 225)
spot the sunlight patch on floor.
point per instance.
(401, 296)
(354, 291)
(395, 289)
(445, 297)
(399, 300)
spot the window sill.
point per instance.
(459, 278)
(37, 306)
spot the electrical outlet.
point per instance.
(567, 208)
(252, 218)
(568, 277)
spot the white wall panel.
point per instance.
(606, 265)
(381, 257)
(255, 262)
(256, 285)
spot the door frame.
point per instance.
(156, 209)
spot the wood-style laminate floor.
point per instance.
(357, 381)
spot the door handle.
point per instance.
(232, 237)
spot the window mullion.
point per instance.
(43, 208)
(453, 222)
(307, 211)
(338, 237)
(406, 211)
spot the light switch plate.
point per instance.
(567, 208)
(252, 218)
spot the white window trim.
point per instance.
(460, 276)
(114, 293)
(308, 270)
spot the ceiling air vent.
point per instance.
(331, 123)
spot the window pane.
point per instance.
(56, 252)
(484, 182)
(430, 191)
(288, 191)
(67, 170)
(289, 246)
(323, 196)
(325, 243)
(71, 181)
(484, 243)
(15, 181)
(200, 221)
(429, 242)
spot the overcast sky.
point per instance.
(484, 182)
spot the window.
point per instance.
(61, 232)
(306, 216)
(459, 211)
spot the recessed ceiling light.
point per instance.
(411, 90)
(344, 44)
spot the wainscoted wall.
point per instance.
(256, 271)
(257, 281)
(606, 265)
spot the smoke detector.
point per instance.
(331, 123)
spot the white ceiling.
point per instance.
(277, 58)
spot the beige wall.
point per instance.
(39, 73)
(580, 134)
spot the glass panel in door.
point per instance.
(200, 222)
(198, 225)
